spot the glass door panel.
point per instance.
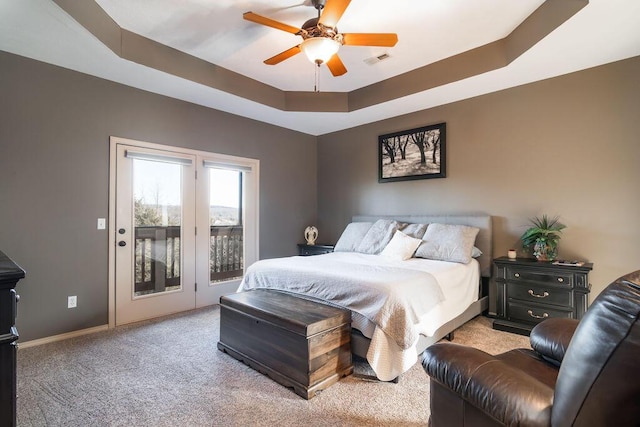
(154, 233)
(157, 195)
(226, 259)
(228, 193)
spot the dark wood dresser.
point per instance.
(10, 274)
(299, 343)
(529, 291)
(306, 250)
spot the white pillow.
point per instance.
(352, 236)
(401, 247)
(448, 242)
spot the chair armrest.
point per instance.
(551, 338)
(509, 395)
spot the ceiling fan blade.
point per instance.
(336, 66)
(283, 55)
(332, 12)
(258, 19)
(370, 39)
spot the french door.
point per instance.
(183, 227)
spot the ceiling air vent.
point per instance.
(376, 59)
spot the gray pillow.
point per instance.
(414, 230)
(352, 236)
(448, 242)
(378, 236)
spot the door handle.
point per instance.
(122, 243)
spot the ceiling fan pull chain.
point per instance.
(316, 86)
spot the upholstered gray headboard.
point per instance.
(482, 221)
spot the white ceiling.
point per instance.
(216, 32)
(428, 30)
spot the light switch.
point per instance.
(102, 223)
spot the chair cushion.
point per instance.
(504, 392)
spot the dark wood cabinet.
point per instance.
(306, 250)
(10, 274)
(529, 291)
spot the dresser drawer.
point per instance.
(533, 313)
(517, 274)
(532, 292)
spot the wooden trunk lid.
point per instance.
(287, 311)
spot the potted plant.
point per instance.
(543, 235)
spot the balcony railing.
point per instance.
(226, 253)
(157, 256)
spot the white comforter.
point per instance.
(390, 300)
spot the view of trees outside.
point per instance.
(415, 153)
(158, 215)
(158, 197)
(157, 193)
(226, 241)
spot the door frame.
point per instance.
(252, 242)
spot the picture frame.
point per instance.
(418, 153)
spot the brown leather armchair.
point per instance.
(576, 374)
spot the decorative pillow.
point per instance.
(414, 230)
(352, 236)
(401, 247)
(448, 242)
(378, 236)
(475, 252)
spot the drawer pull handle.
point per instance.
(560, 279)
(544, 294)
(544, 315)
(517, 274)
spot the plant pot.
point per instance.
(545, 251)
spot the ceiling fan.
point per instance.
(321, 39)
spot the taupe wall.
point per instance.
(54, 170)
(568, 146)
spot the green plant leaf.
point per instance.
(543, 229)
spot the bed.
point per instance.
(400, 303)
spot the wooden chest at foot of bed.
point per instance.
(298, 343)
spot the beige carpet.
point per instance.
(169, 372)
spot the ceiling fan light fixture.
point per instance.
(319, 49)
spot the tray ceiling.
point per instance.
(202, 51)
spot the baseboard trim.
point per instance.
(61, 337)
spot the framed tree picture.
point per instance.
(413, 154)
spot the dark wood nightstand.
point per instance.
(306, 250)
(529, 291)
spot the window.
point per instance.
(226, 261)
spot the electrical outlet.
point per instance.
(72, 301)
